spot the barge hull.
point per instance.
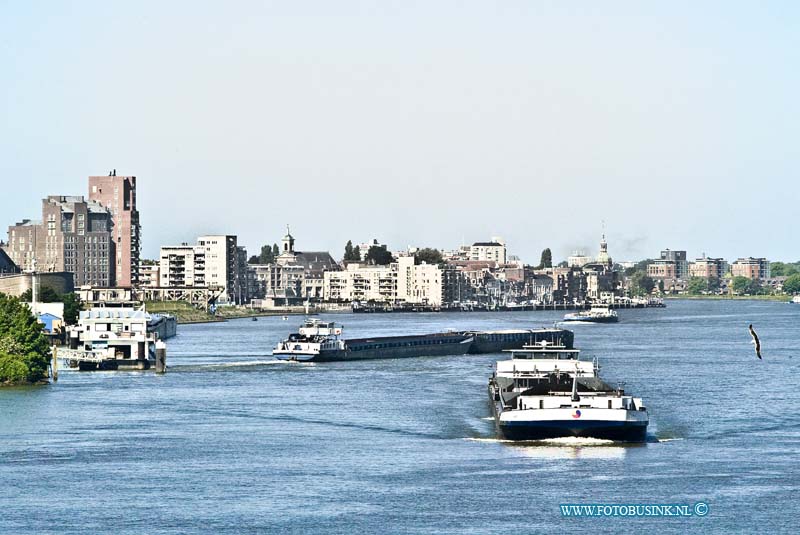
(617, 431)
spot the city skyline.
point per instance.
(531, 122)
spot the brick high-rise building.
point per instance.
(74, 235)
(118, 194)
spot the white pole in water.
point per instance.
(161, 357)
(54, 365)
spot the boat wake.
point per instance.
(222, 365)
(561, 441)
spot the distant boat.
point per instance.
(285, 318)
(795, 300)
(255, 318)
(597, 314)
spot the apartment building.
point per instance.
(708, 268)
(491, 251)
(679, 258)
(74, 235)
(401, 281)
(182, 266)
(118, 194)
(662, 269)
(752, 268)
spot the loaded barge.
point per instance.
(320, 341)
(546, 392)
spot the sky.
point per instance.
(432, 123)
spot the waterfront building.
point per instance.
(294, 277)
(402, 281)
(118, 194)
(74, 235)
(662, 269)
(708, 268)
(182, 266)
(752, 268)
(149, 274)
(492, 251)
(679, 258)
(359, 282)
(221, 265)
(215, 262)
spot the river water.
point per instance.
(230, 441)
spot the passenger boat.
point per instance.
(597, 314)
(546, 392)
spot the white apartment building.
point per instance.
(401, 281)
(492, 251)
(221, 257)
(210, 263)
(181, 266)
(149, 276)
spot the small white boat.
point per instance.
(597, 314)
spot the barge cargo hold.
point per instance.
(320, 341)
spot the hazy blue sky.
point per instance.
(418, 123)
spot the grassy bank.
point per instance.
(783, 298)
(186, 313)
(182, 310)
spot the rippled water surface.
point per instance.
(230, 441)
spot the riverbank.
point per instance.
(779, 298)
(183, 311)
(187, 314)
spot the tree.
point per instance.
(378, 255)
(740, 285)
(640, 266)
(267, 255)
(72, 303)
(546, 260)
(72, 307)
(780, 269)
(429, 256)
(24, 352)
(697, 286)
(641, 283)
(352, 254)
(713, 284)
(276, 251)
(792, 284)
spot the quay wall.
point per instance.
(17, 284)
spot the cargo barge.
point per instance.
(320, 341)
